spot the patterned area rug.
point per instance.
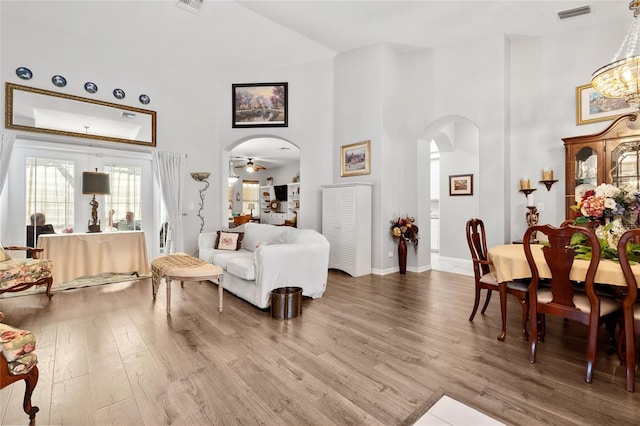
(442, 409)
(86, 281)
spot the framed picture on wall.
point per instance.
(260, 105)
(355, 159)
(592, 107)
(460, 185)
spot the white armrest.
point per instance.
(207, 239)
(299, 265)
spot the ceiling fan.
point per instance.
(251, 166)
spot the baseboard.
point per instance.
(376, 271)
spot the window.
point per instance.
(50, 190)
(124, 206)
(250, 195)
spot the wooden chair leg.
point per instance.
(49, 285)
(524, 302)
(592, 346)
(533, 322)
(476, 302)
(486, 302)
(30, 382)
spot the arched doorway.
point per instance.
(258, 161)
(453, 150)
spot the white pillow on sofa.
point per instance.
(256, 233)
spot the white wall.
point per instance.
(184, 115)
(310, 129)
(470, 82)
(358, 116)
(545, 74)
(456, 210)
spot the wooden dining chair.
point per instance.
(560, 298)
(477, 241)
(630, 309)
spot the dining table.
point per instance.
(509, 263)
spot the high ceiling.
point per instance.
(346, 25)
(215, 41)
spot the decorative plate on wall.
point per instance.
(90, 87)
(144, 99)
(59, 81)
(24, 73)
(118, 93)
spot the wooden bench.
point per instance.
(183, 267)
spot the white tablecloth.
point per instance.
(80, 254)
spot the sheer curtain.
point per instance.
(6, 146)
(169, 169)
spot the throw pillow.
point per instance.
(228, 240)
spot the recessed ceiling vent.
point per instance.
(574, 12)
(190, 5)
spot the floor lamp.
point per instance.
(201, 177)
(95, 183)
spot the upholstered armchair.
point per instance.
(18, 362)
(21, 274)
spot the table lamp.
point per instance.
(95, 183)
(251, 207)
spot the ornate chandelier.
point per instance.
(621, 78)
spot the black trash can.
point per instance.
(286, 302)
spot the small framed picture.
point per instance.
(260, 105)
(460, 185)
(355, 159)
(592, 107)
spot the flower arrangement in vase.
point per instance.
(612, 210)
(404, 228)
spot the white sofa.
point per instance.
(270, 257)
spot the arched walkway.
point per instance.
(457, 141)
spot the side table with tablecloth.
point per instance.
(183, 267)
(81, 254)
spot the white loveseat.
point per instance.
(270, 257)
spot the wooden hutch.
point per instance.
(611, 156)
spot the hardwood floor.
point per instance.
(367, 353)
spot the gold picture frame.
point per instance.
(592, 107)
(355, 159)
(84, 118)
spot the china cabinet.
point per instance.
(346, 223)
(611, 156)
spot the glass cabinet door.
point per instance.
(586, 170)
(623, 171)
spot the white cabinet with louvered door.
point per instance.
(346, 222)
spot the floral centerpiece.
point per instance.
(405, 227)
(614, 210)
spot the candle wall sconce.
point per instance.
(547, 178)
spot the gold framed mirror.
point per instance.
(43, 111)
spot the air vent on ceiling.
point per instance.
(128, 115)
(190, 5)
(574, 12)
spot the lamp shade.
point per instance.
(95, 183)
